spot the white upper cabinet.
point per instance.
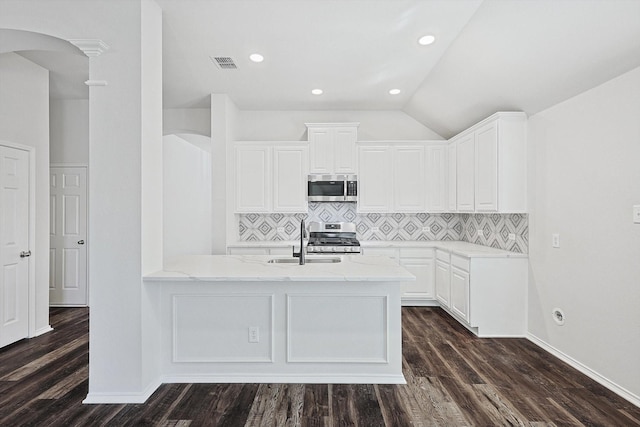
(392, 178)
(375, 179)
(253, 178)
(271, 177)
(290, 169)
(486, 167)
(409, 192)
(332, 148)
(452, 202)
(491, 165)
(465, 170)
(437, 178)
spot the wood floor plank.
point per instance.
(453, 379)
(394, 411)
(316, 406)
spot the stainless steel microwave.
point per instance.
(332, 188)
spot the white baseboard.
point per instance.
(286, 379)
(621, 391)
(121, 398)
(41, 331)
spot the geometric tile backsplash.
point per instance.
(496, 228)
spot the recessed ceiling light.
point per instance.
(426, 40)
(394, 91)
(256, 57)
(317, 91)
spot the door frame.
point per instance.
(87, 238)
(31, 151)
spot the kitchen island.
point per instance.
(257, 318)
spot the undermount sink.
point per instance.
(328, 260)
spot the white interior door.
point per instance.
(68, 249)
(14, 242)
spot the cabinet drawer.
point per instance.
(390, 252)
(416, 252)
(460, 262)
(442, 255)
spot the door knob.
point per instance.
(25, 254)
(81, 242)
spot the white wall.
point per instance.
(122, 115)
(191, 120)
(289, 125)
(187, 198)
(69, 131)
(24, 119)
(224, 127)
(584, 179)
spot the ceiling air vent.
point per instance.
(224, 62)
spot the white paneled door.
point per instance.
(68, 248)
(14, 245)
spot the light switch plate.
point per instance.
(636, 214)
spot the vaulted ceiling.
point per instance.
(488, 55)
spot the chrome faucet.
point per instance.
(302, 235)
(300, 254)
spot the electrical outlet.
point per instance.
(426, 229)
(254, 334)
(555, 240)
(636, 214)
(512, 236)
(375, 229)
(280, 229)
(480, 233)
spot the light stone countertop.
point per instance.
(465, 249)
(255, 268)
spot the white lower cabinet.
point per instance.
(443, 278)
(487, 295)
(420, 262)
(460, 292)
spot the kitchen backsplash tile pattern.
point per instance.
(503, 231)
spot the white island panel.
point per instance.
(215, 328)
(317, 323)
(337, 329)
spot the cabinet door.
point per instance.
(452, 202)
(486, 168)
(465, 164)
(460, 292)
(344, 150)
(443, 282)
(290, 170)
(409, 192)
(423, 286)
(321, 150)
(437, 178)
(375, 179)
(253, 179)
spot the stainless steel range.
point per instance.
(332, 238)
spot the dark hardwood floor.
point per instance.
(454, 379)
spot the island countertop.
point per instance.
(256, 268)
